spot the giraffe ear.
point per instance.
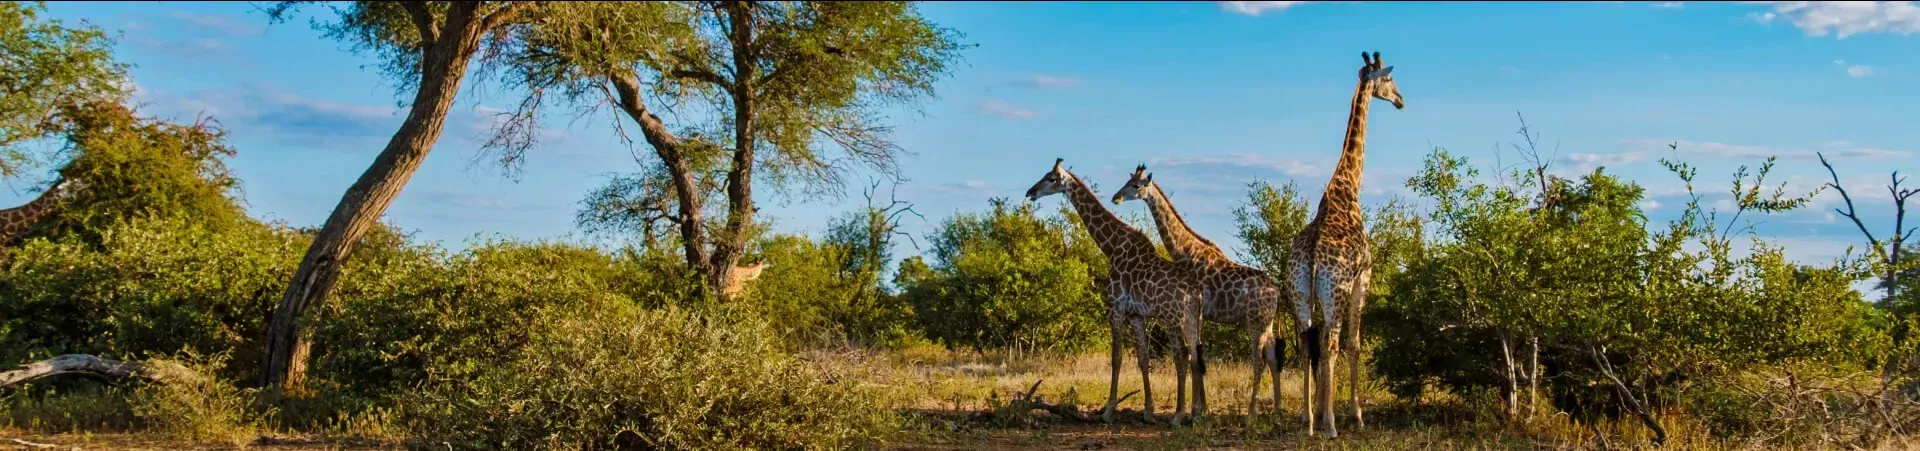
(1382, 73)
(1149, 178)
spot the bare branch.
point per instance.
(1850, 212)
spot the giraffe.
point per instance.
(1331, 258)
(1234, 294)
(1141, 286)
(742, 275)
(15, 221)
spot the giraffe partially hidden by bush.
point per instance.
(15, 221)
(1234, 294)
(1332, 261)
(1141, 285)
(742, 275)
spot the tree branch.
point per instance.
(1849, 201)
(506, 13)
(423, 21)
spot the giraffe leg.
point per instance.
(1323, 375)
(1355, 307)
(1179, 384)
(1146, 379)
(1260, 364)
(1114, 327)
(1199, 365)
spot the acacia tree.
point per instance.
(49, 69)
(426, 47)
(782, 83)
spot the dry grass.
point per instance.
(941, 388)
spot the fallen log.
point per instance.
(1031, 400)
(161, 371)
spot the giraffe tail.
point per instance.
(1200, 359)
(1314, 341)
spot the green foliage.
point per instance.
(48, 66)
(414, 317)
(1575, 268)
(149, 289)
(207, 409)
(139, 169)
(1009, 278)
(1268, 223)
(614, 376)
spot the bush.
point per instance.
(414, 314)
(152, 289)
(1009, 278)
(609, 375)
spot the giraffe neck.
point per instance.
(1111, 234)
(1181, 240)
(1343, 191)
(15, 221)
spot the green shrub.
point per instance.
(152, 289)
(1009, 278)
(415, 315)
(609, 375)
(207, 409)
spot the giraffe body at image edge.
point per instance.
(15, 221)
(1142, 286)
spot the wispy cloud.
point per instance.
(1239, 160)
(998, 107)
(1839, 149)
(1051, 81)
(1843, 19)
(1855, 70)
(1257, 8)
(215, 23)
(1669, 5)
(288, 117)
(966, 188)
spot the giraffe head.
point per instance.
(1136, 186)
(1056, 181)
(1378, 80)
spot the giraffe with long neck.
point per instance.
(15, 221)
(1331, 258)
(1141, 286)
(1233, 294)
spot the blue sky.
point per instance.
(1211, 95)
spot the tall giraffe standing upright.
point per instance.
(1141, 285)
(15, 221)
(1332, 261)
(1233, 293)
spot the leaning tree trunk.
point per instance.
(442, 68)
(686, 189)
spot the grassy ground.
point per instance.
(944, 395)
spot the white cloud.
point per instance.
(1668, 5)
(1001, 108)
(216, 23)
(1855, 71)
(1833, 150)
(1649, 204)
(1844, 19)
(1052, 82)
(1586, 162)
(1241, 160)
(1256, 8)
